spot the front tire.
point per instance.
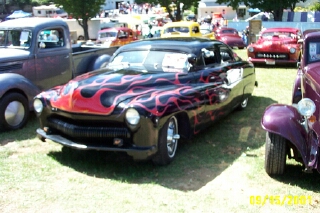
(275, 154)
(168, 142)
(243, 104)
(14, 111)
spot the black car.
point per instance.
(152, 93)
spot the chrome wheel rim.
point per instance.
(172, 143)
(14, 113)
(244, 103)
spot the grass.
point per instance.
(218, 171)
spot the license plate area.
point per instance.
(270, 62)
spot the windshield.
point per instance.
(107, 34)
(205, 30)
(15, 38)
(278, 34)
(313, 49)
(153, 61)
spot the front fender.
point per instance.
(18, 83)
(284, 120)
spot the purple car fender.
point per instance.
(284, 120)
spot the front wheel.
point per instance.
(168, 142)
(14, 111)
(275, 154)
(243, 104)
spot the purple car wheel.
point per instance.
(275, 154)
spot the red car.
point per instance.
(276, 46)
(229, 36)
(116, 36)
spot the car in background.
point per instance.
(206, 31)
(152, 93)
(116, 36)
(183, 29)
(230, 36)
(293, 131)
(276, 46)
(191, 17)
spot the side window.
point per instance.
(211, 56)
(195, 29)
(51, 38)
(123, 35)
(226, 54)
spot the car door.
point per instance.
(223, 80)
(52, 59)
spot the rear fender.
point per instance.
(100, 62)
(284, 120)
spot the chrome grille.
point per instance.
(278, 56)
(76, 131)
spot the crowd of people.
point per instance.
(127, 8)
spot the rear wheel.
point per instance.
(275, 154)
(168, 142)
(14, 111)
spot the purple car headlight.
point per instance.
(306, 107)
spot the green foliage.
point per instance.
(82, 11)
(40, 2)
(301, 9)
(315, 7)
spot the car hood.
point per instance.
(9, 54)
(100, 92)
(276, 41)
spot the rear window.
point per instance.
(176, 29)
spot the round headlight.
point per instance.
(132, 116)
(306, 107)
(292, 50)
(250, 49)
(37, 105)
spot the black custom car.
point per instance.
(152, 93)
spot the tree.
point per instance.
(82, 11)
(173, 6)
(275, 7)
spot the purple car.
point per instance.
(293, 131)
